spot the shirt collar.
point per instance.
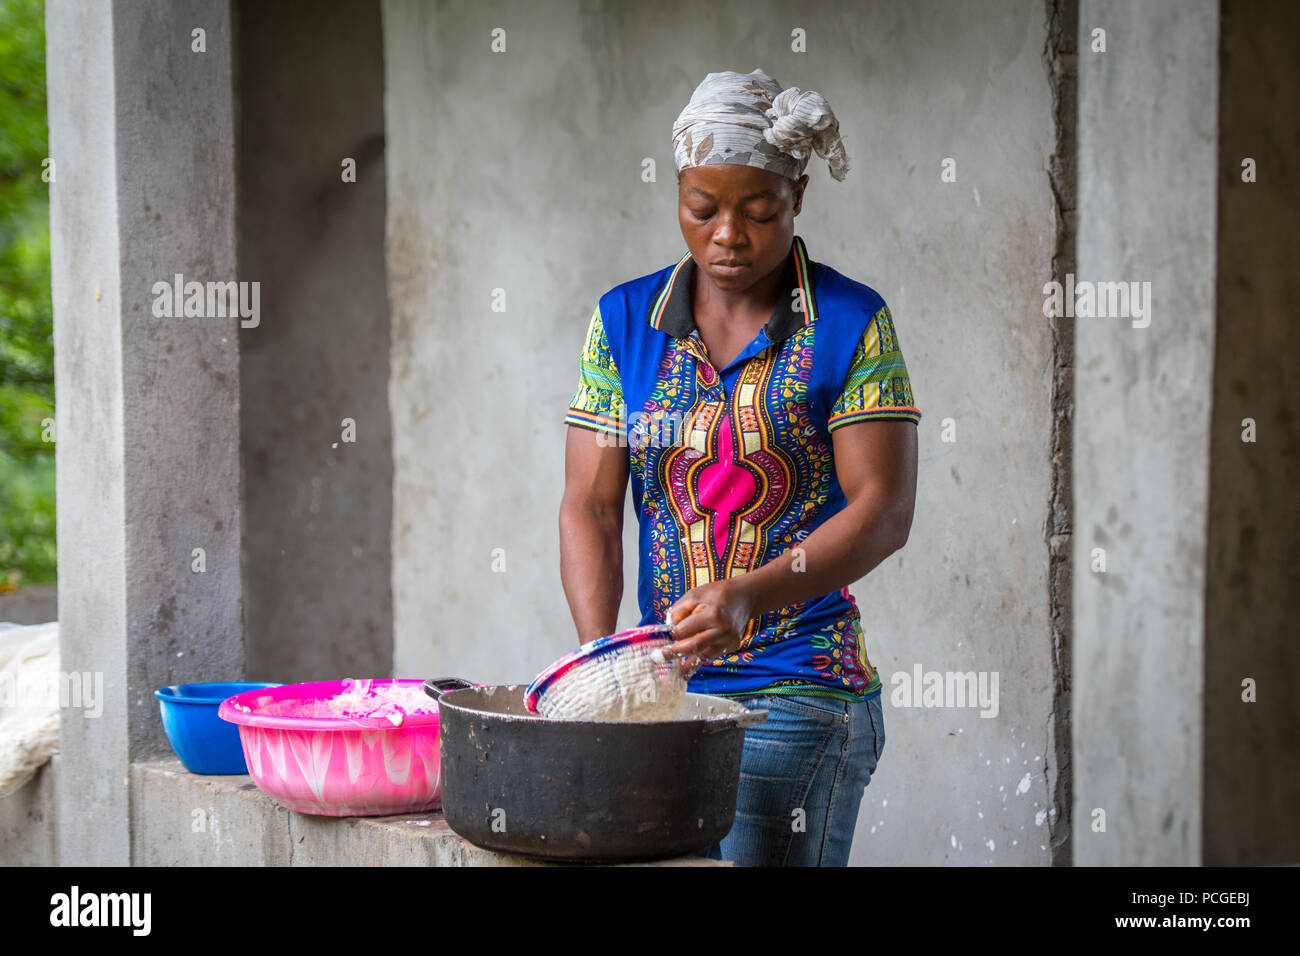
(670, 310)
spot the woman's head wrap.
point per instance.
(748, 120)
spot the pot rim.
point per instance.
(449, 701)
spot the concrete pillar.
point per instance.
(141, 132)
(1148, 112)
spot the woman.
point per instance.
(761, 406)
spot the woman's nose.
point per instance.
(729, 231)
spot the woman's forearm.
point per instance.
(845, 548)
(591, 566)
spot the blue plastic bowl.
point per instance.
(203, 741)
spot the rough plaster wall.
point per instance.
(317, 575)
(1147, 158)
(1252, 750)
(521, 171)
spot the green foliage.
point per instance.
(27, 527)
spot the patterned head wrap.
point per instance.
(748, 120)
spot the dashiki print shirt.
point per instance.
(732, 467)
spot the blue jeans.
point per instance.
(802, 776)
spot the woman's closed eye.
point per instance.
(708, 214)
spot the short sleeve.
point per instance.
(598, 403)
(877, 385)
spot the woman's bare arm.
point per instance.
(875, 463)
(591, 531)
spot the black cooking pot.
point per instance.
(585, 790)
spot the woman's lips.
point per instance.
(730, 270)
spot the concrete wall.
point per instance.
(36, 604)
(521, 171)
(1148, 110)
(28, 834)
(318, 508)
(141, 132)
(1252, 750)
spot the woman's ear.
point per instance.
(799, 186)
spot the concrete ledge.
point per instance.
(184, 819)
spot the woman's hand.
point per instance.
(708, 622)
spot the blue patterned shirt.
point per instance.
(732, 467)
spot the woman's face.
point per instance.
(740, 214)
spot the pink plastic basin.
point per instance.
(333, 765)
